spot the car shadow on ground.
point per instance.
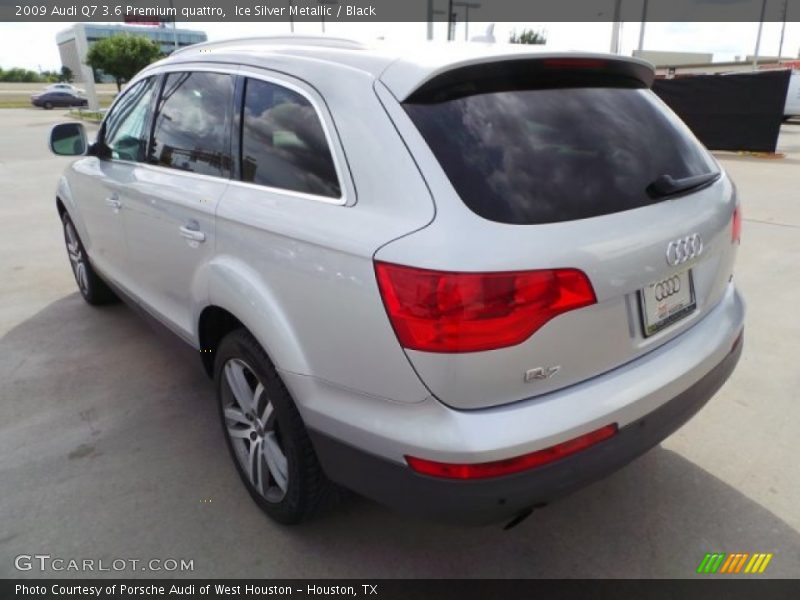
(110, 446)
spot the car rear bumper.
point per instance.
(356, 434)
(489, 500)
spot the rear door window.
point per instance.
(529, 156)
(283, 142)
(193, 122)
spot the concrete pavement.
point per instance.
(110, 445)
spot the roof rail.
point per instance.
(276, 40)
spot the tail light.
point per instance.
(437, 311)
(508, 466)
(736, 227)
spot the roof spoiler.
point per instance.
(533, 72)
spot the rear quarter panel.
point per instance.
(299, 272)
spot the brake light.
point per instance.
(508, 466)
(438, 311)
(736, 227)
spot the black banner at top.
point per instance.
(399, 10)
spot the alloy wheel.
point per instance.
(76, 258)
(251, 424)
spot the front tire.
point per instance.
(93, 289)
(48, 105)
(265, 433)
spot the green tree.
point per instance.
(528, 36)
(15, 74)
(122, 56)
(66, 75)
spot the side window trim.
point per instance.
(151, 124)
(336, 148)
(237, 122)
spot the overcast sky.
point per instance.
(33, 46)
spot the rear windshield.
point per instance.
(551, 155)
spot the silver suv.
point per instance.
(460, 280)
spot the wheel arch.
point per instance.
(213, 325)
(60, 207)
(65, 204)
(239, 297)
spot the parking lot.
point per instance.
(110, 445)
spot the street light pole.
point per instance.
(323, 4)
(466, 6)
(449, 20)
(758, 37)
(616, 27)
(644, 22)
(174, 28)
(783, 29)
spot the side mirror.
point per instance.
(68, 139)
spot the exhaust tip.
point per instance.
(518, 519)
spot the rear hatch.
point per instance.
(579, 225)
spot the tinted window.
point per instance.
(283, 143)
(549, 155)
(192, 127)
(126, 126)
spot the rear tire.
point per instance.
(93, 289)
(265, 434)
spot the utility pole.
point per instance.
(616, 27)
(323, 4)
(449, 20)
(644, 22)
(174, 27)
(783, 29)
(758, 37)
(466, 6)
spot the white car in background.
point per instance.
(65, 87)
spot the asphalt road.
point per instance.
(110, 446)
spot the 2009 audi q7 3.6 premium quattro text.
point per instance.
(463, 282)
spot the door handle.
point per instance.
(114, 202)
(190, 232)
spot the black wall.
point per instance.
(730, 112)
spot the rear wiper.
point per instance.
(666, 185)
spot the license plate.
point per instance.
(667, 301)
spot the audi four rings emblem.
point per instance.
(683, 249)
(667, 288)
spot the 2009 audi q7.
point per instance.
(463, 281)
